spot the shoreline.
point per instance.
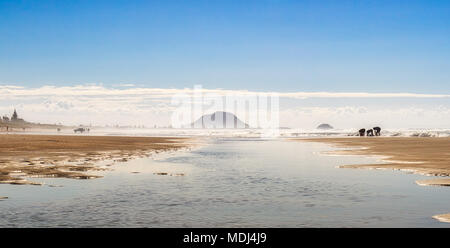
(442, 217)
(70, 156)
(434, 182)
(426, 156)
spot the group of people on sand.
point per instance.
(376, 131)
(81, 130)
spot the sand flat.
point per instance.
(434, 182)
(71, 156)
(442, 217)
(428, 156)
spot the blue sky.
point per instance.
(339, 46)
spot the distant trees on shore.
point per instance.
(14, 118)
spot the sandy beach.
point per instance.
(69, 156)
(442, 217)
(428, 156)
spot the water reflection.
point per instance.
(231, 183)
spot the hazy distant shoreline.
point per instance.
(44, 129)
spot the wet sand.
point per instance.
(23, 156)
(427, 156)
(442, 217)
(434, 182)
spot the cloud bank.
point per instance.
(130, 105)
(97, 90)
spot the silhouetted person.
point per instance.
(370, 132)
(362, 132)
(377, 131)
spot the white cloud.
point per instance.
(98, 90)
(132, 105)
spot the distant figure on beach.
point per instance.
(377, 131)
(362, 132)
(81, 130)
(370, 132)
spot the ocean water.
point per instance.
(231, 182)
(241, 133)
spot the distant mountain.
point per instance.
(219, 119)
(325, 126)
